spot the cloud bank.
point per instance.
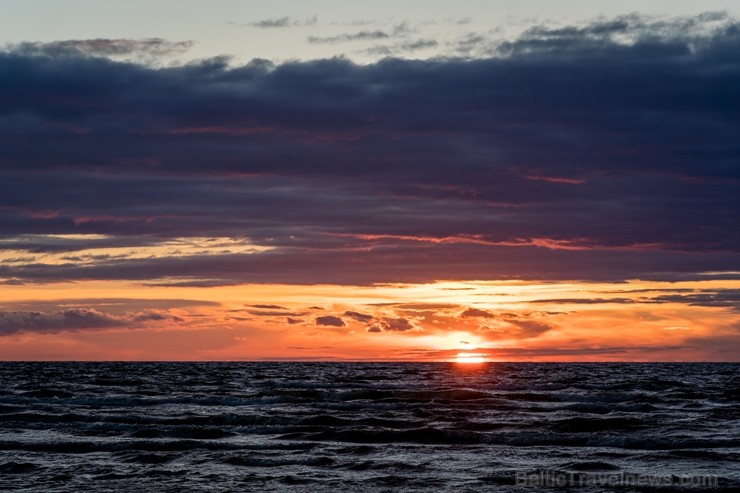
(606, 151)
(103, 47)
(77, 319)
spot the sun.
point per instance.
(470, 358)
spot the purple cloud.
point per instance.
(567, 154)
(330, 321)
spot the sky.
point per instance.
(423, 181)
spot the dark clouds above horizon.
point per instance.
(567, 154)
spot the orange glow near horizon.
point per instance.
(470, 358)
(460, 321)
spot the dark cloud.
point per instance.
(399, 31)
(467, 44)
(156, 316)
(275, 313)
(530, 328)
(112, 305)
(343, 38)
(194, 283)
(103, 47)
(285, 21)
(419, 44)
(475, 312)
(360, 317)
(389, 324)
(723, 298)
(644, 31)
(584, 301)
(330, 321)
(403, 47)
(417, 307)
(269, 23)
(396, 324)
(76, 319)
(649, 290)
(296, 265)
(569, 154)
(49, 243)
(269, 307)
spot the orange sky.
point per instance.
(502, 321)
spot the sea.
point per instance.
(369, 427)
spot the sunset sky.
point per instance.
(406, 180)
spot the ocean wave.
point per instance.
(313, 427)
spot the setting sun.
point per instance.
(470, 358)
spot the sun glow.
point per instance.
(467, 323)
(470, 358)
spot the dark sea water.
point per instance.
(315, 427)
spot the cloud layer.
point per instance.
(606, 151)
(103, 47)
(77, 319)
